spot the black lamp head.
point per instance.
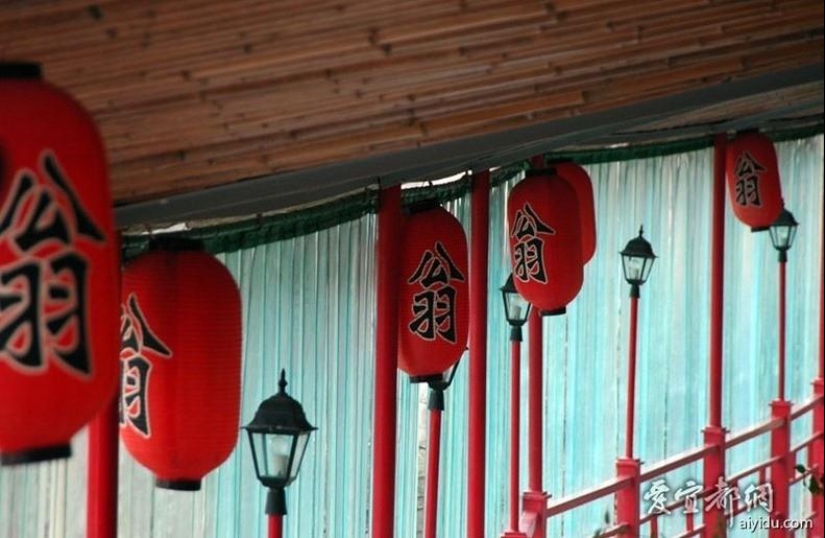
(783, 233)
(637, 259)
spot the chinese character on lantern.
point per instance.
(137, 338)
(528, 251)
(748, 172)
(434, 306)
(43, 297)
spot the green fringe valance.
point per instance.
(278, 227)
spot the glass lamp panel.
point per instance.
(516, 306)
(300, 448)
(278, 453)
(779, 236)
(259, 447)
(648, 265)
(633, 267)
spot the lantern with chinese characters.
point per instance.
(434, 307)
(180, 362)
(58, 270)
(544, 232)
(753, 181)
(578, 178)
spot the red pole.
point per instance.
(628, 500)
(515, 426)
(102, 476)
(535, 498)
(715, 433)
(515, 432)
(101, 512)
(782, 300)
(816, 453)
(386, 363)
(631, 376)
(717, 280)
(276, 526)
(535, 402)
(479, 252)
(431, 494)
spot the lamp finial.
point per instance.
(282, 382)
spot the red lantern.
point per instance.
(181, 363)
(545, 240)
(58, 270)
(434, 301)
(753, 180)
(578, 178)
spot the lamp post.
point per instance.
(783, 232)
(516, 310)
(278, 437)
(637, 260)
(435, 405)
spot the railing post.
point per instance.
(535, 502)
(628, 500)
(714, 469)
(816, 454)
(781, 468)
(714, 433)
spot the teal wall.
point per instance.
(309, 308)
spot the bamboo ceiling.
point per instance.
(195, 93)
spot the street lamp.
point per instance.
(516, 307)
(516, 310)
(637, 261)
(278, 437)
(783, 232)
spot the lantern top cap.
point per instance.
(639, 247)
(280, 413)
(20, 71)
(419, 206)
(175, 243)
(785, 219)
(547, 170)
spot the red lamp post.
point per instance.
(783, 232)
(637, 261)
(435, 405)
(516, 310)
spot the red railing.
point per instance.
(694, 526)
